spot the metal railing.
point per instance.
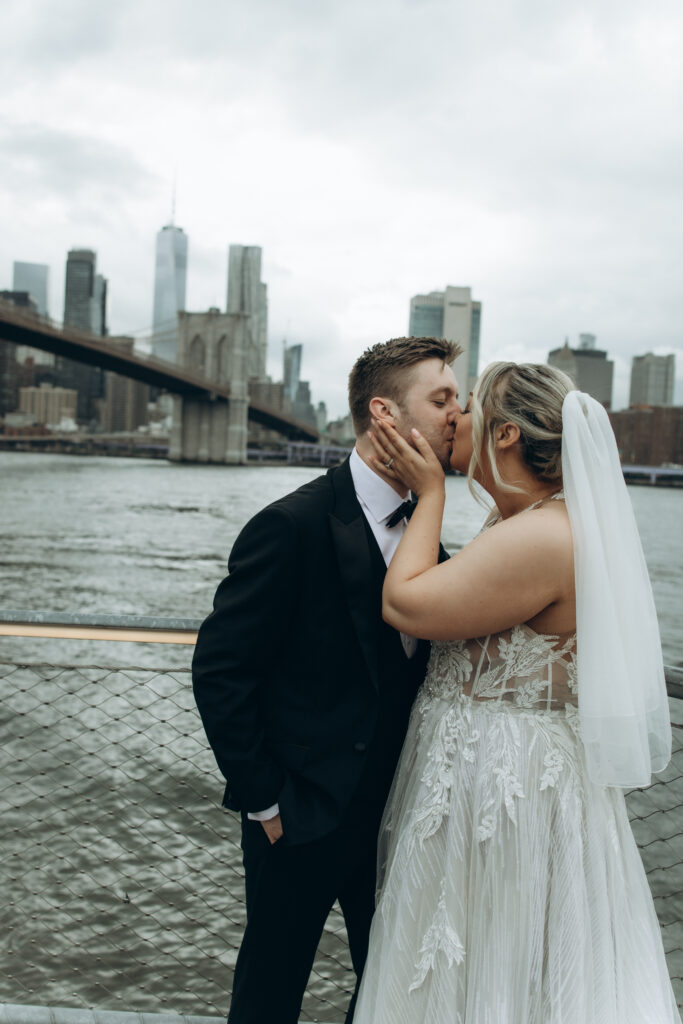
(122, 878)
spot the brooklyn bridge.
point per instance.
(209, 382)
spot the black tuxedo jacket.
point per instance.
(291, 669)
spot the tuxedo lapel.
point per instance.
(354, 558)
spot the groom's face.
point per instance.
(430, 403)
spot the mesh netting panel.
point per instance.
(122, 880)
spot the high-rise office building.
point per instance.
(85, 293)
(248, 294)
(32, 278)
(85, 307)
(291, 371)
(452, 314)
(588, 367)
(652, 380)
(170, 281)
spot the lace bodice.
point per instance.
(518, 667)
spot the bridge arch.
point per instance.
(197, 354)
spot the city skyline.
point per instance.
(290, 129)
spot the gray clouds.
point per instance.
(530, 149)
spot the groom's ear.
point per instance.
(383, 409)
(507, 434)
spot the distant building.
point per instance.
(272, 394)
(248, 294)
(302, 408)
(32, 278)
(85, 307)
(85, 293)
(321, 417)
(124, 407)
(170, 281)
(10, 371)
(342, 431)
(296, 391)
(291, 370)
(652, 380)
(650, 436)
(48, 405)
(23, 300)
(454, 315)
(588, 367)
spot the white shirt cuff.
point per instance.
(264, 815)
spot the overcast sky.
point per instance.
(374, 148)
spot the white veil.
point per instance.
(623, 707)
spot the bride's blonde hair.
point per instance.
(530, 395)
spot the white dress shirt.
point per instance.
(379, 501)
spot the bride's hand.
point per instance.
(417, 467)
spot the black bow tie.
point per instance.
(403, 511)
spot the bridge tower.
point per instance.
(215, 344)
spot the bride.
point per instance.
(511, 890)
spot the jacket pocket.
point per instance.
(291, 755)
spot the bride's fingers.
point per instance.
(381, 432)
(423, 446)
(381, 465)
(383, 454)
(393, 443)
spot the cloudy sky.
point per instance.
(374, 148)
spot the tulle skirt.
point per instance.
(511, 888)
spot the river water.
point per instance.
(131, 536)
(122, 877)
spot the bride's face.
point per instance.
(462, 439)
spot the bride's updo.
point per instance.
(530, 395)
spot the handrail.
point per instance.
(155, 630)
(126, 628)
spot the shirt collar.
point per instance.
(377, 495)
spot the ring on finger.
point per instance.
(389, 463)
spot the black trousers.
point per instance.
(290, 891)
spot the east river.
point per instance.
(121, 875)
(131, 536)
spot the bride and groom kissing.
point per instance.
(441, 744)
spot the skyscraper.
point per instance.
(32, 278)
(85, 307)
(291, 371)
(652, 380)
(454, 315)
(170, 280)
(248, 294)
(85, 293)
(588, 367)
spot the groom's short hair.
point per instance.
(381, 372)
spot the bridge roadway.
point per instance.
(25, 328)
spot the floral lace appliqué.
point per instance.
(440, 937)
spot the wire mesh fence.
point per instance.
(122, 879)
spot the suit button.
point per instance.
(360, 746)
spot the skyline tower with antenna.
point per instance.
(170, 281)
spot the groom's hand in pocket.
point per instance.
(273, 828)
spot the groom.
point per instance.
(305, 692)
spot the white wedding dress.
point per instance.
(511, 890)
